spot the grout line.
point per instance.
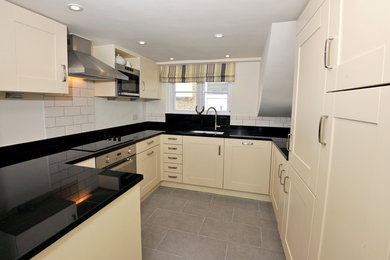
(226, 250)
(204, 219)
(162, 239)
(154, 211)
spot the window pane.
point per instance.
(217, 87)
(190, 87)
(185, 101)
(219, 101)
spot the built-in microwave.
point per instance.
(130, 87)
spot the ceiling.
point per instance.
(182, 29)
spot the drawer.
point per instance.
(175, 177)
(147, 144)
(172, 139)
(173, 148)
(171, 167)
(173, 158)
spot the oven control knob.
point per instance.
(107, 159)
(129, 151)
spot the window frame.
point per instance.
(200, 98)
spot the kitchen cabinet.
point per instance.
(148, 164)
(358, 43)
(357, 216)
(309, 98)
(172, 158)
(203, 161)
(279, 170)
(149, 79)
(247, 165)
(298, 216)
(34, 52)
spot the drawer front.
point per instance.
(173, 139)
(173, 158)
(170, 167)
(175, 177)
(173, 148)
(249, 143)
(147, 144)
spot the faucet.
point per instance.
(216, 115)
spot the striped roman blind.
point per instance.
(211, 72)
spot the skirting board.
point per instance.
(239, 194)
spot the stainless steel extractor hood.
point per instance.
(83, 65)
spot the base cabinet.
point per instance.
(203, 161)
(148, 164)
(247, 165)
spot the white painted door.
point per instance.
(298, 217)
(359, 52)
(148, 164)
(150, 81)
(309, 93)
(357, 212)
(247, 165)
(203, 161)
(33, 56)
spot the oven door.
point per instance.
(128, 87)
(128, 165)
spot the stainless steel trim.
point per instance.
(284, 184)
(247, 143)
(171, 176)
(64, 72)
(216, 126)
(280, 177)
(115, 156)
(219, 150)
(152, 152)
(327, 53)
(128, 94)
(288, 142)
(321, 129)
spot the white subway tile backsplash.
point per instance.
(276, 124)
(54, 111)
(90, 101)
(87, 127)
(55, 131)
(63, 101)
(91, 119)
(72, 129)
(80, 101)
(80, 120)
(64, 121)
(89, 110)
(86, 92)
(75, 92)
(249, 122)
(262, 123)
(50, 122)
(72, 111)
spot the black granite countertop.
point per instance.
(42, 198)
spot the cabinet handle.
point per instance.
(171, 176)
(152, 152)
(247, 143)
(288, 142)
(327, 53)
(219, 150)
(321, 130)
(284, 184)
(280, 165)
(143, 85)
(171, 167)
(171, 138)
(150, 142)
(64, 72)
(172, 148)
(280, 177)
(172, 158)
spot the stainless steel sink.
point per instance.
(207, 132)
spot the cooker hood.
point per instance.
(83, 65)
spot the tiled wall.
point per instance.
(155, 117)
(72, 113)
(260, 121)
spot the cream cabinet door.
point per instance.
(298, 217)
(149, 81)
(247, 165)
(148, 164)
(357, 212)
(203, 161)
(33, 52)
(279, 171)
(309, 96)
(358, 44)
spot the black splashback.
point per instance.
(195, 122)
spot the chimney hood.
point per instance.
(83, 65)
(277, 71)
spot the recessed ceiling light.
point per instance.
(141, 42)
(219, 35)
(75, 7)
(171, 58)
(227, 56)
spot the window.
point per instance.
(186, 96)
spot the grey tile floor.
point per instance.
(183, 224)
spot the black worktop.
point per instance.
(43, 195)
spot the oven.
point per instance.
(130, 87)
(122, 160)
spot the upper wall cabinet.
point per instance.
(357, 50)
(33, 52)
(149, 80)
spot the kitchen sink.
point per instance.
(207, 132)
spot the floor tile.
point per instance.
(228, 201)
(165, 202)
(254, 217)
(237, 251)
(271, 239)
(235, 232)
(266, 211)
(193, 246)
(203, 208)
(176, 220)
(152, 254)
(192, 195)
(152, 235)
